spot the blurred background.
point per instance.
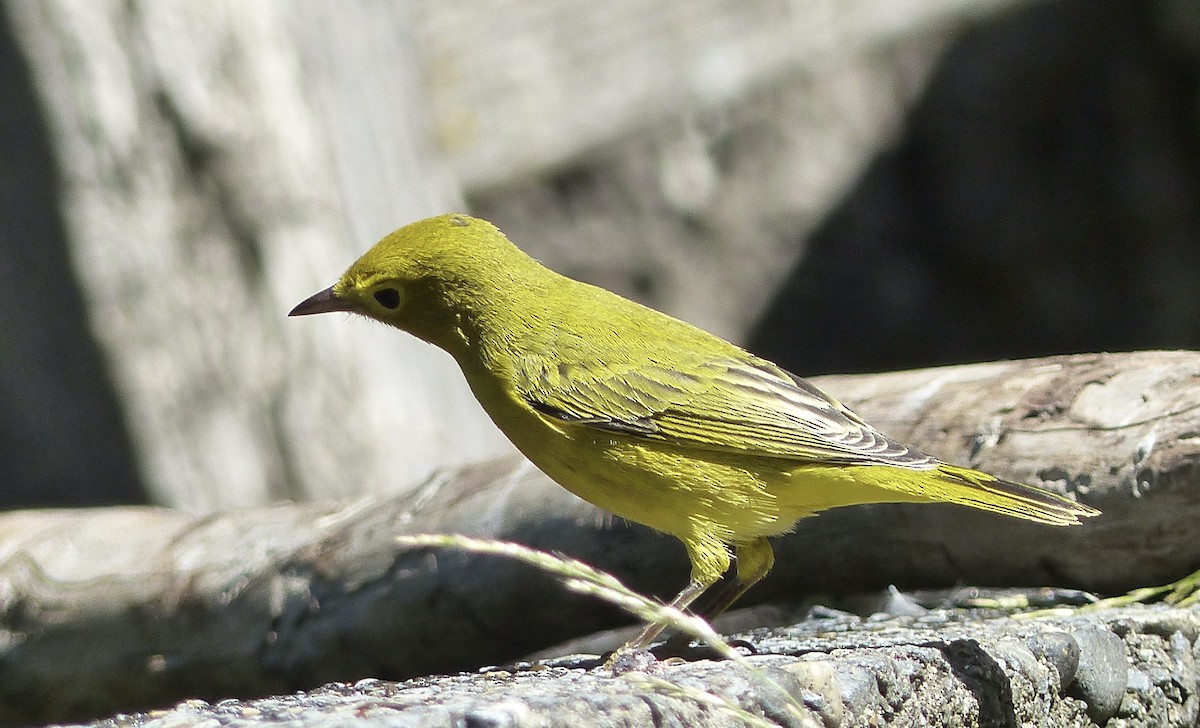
(839, 186)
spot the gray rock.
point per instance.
(1131, 667)
(1060, 650)
(1103, 672)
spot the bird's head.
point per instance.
(423, 278)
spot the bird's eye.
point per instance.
(388, 298)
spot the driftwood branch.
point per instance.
(116, 609)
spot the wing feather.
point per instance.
(752, 406)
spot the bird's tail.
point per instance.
(985, 492)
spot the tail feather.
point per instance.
(988, 493)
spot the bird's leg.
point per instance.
(710, 559)
(720, 592)
(689, 594)
(754, 559)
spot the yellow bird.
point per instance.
(644, 415)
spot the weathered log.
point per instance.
(1120, 431)
(118, 609)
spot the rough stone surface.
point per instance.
(1102, 672)
(1136, 667)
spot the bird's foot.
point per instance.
(624, 661)
(682, 647)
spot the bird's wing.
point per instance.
(753, 407)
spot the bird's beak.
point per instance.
(325, 301)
